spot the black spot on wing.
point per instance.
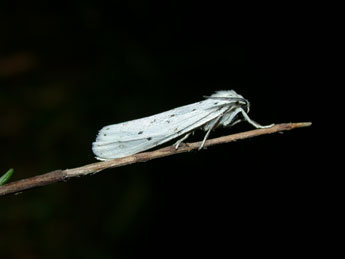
(149, 138)
(140, 132)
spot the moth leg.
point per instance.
(255, 124)
(177, 144)
(208, 133)
(235, 122)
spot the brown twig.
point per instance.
(63, 175)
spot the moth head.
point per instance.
(234, 97)
(244, 104)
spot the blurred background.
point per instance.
(68, 70)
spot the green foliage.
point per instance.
(6, 176)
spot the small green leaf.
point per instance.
(6, 176)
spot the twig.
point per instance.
(63, 175)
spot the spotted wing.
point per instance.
(131, 137)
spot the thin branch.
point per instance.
(63, 175)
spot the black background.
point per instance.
(67, 70)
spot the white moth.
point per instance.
(223, 108)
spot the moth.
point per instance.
(223, 108)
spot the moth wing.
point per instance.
(127, 138)
(117, 149)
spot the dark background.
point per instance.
(67, 70)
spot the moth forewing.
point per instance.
(113, 145)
